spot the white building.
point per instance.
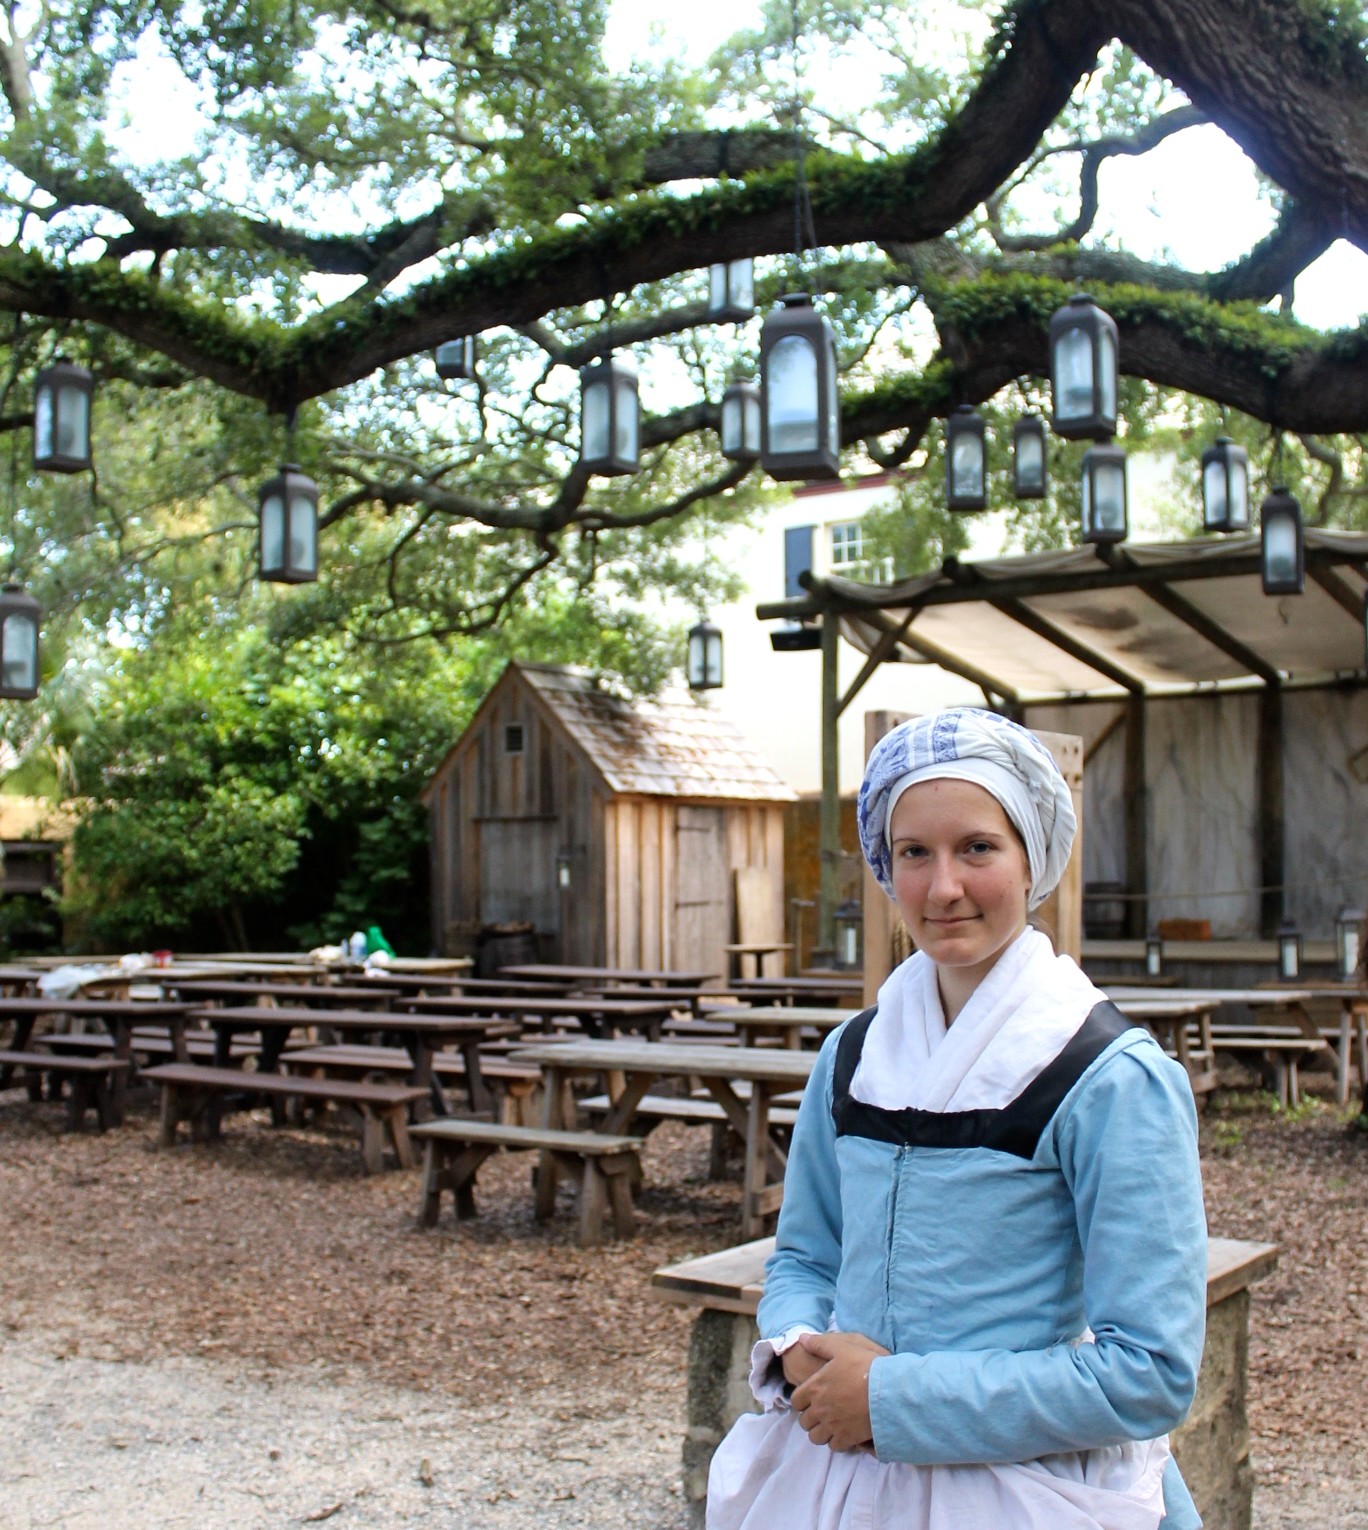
(775, 698)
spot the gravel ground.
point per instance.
(254, 1334)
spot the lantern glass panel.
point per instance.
(733, 423)
(966, 465)
(791, 395)
(1030, 460)
(1239, 494)
(1214, 501)
(19, 645)
(833, 407)
(717, 287)
(1073, 374)
(751, 413)
(594, 421)
(273, 532)
(1106, 378)
(1289, 953)
(741, 280)
(303, 534)
(626, 425)
(1280, 549)
(1104, 498)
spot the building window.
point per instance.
(513, 738)
(847, 545)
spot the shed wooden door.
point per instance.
(702, 889)
(518, 872)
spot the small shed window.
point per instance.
(513, 738)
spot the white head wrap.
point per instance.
(967, 744)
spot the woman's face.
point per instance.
(960, 875)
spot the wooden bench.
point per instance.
(652, 1109)
(1212, 1444)
(89, 1080)
(1282, 1054)
(189, 1090)
(516, 1087)
(603, 1167)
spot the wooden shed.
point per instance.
(615, 827)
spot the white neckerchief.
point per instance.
(1015, 1024)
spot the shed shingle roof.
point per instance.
(671, 746)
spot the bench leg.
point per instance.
(80, 1097)
(717, 1151)
(544, 1201)
(593, 1203)
(1280, 1074)
(372, 1141)
(397, 1124)
(621, 1174)
(454, 1171)
(170, 1116)
(1293, 1082)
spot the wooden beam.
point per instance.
(1136, 821)
(1272, 905)
(1213, 632)
(1043, 627)
(1338, 591)
(884, 650)
(829, 871)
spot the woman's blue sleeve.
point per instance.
(1125, 1141)
(800, 1275)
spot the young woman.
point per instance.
(986, 1304)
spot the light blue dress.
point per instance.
(1038, 1273)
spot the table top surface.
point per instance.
(761, 1064)
(552, 1004)
(1254, 996)
(852, 984)
(143, 1009)
(784, 1014)
(607, 974)
(298, 993)
(260, 1017)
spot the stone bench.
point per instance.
(190, 1090)
(602, 1166)
(1212, 1445)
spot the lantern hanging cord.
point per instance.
(804, 229)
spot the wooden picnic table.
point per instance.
(1352, 1001)
(118, 1016)
(599, 1015)
(798, 990)
(632, 1067)
(1169, 1017)
(757, 950)
(311, 995)
(417, 983)
(644, 977)
(785, 1020)
(421, 1036)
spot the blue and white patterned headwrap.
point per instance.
(968, 744)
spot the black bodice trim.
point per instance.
(1016, 1128)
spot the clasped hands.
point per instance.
(829, 1373)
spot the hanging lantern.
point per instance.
(731, 291)
(564, 873)
(1289, 952)
(610, 417)
(288, 510)
(1348, 942)
(1225, 487)
(20, 618)
(965, 460)
(705, 657)
(1281, 547)
(848, 927)
(1104, 494)
(800, 432)
(456, 359)
(1083, 371)
(61, 417)
(741, 422)
(1029, 472)
(1154, 956)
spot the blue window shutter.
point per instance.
(797, 557)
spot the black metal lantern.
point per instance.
(966, 460)
(1282, 549)
(456, 359)
(1030, 474)
(1348, 942)
(1154, 956)
(288, 510)
(1225, 487)
(740, 431)
(564, 874)
(800, 427)
(61, 417)
(1083, 366)
(731, 290)
(610, 417)
(848, 926)
(1289, 952)
(1104, 494)
(705, 657)
(20, 618)
(795, 637)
